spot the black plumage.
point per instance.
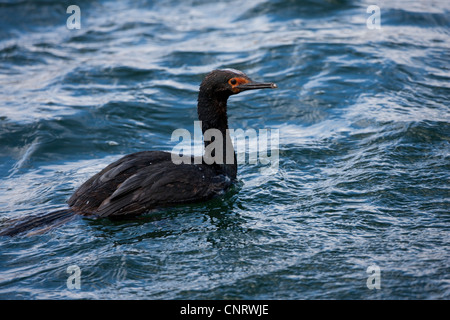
(143, 181)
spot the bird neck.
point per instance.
(212, 112)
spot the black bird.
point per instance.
(147, 180)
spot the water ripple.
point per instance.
(363, 174)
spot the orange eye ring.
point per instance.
(237, 81)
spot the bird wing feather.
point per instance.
(161, 185)
(91, 194)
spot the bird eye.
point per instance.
(233, 82)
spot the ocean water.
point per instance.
(363, 174)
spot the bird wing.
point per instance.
(163, 184)
(89, 196)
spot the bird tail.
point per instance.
(38, 224)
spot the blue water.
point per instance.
(364, 154)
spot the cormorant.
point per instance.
(147, 180)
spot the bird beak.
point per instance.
(256, 85)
